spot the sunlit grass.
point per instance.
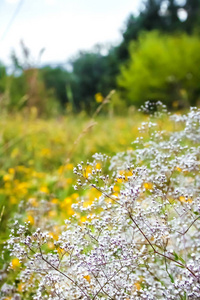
(37, 157)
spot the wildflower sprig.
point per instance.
(140, 235)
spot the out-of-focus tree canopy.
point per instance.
(56, 80)
(162, 67)
(92, 73)
(165, 15)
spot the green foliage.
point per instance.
(2, 78)
(160, 15)
(162, 67)
(92, 73)
(56, 79)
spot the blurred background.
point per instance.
(59, 56)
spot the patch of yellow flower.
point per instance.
(55, 233)
(98, 97)
(20, 287)
(178, 169)
(54, 201)
(30, 219)
(7, 177)
(148, 185)
(69, 180)
(87, 277)
(88, 170)
(75, 196)
(183, 199)
(124, 173)
(22, 169)
(38, 174)
(66, 205)
(21, 188)
(50, 245)
(11, 171)
(83, 219)
(98, 166)
(15, 263)
(67, 167)
(45, 152)
(44, 189)
(138, 283)
(122, 141)
(13, 200)
(116, 190)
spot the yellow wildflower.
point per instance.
(15, 263)
(7, 177)
(11, 170)
(88, 171)
(53, 235)
(69, 166)
(13, 200)
(69, 180)
(183, 199)
(98, 166)
(178, 169)
(61, 169)
(87, 277)
(75, 196)
(50, 245)
(20, 287)
(68, 200)
(54, 201)
(98, 97)
(116, 188)
(30, 219)
(83, 219)
(137, 285)
(45, 152)
(44, 189)
(88, 202)
(148, 185)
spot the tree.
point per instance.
(162, 67)
(92, 73)
(163, 15)
(56, 80)
(192, 8)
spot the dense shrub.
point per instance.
(163, 67)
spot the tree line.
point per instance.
(158, 59)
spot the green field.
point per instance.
(37, 157)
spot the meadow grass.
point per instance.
(37, 156)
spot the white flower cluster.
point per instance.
(141, 236)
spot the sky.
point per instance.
(62, 27)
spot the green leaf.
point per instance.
(180, 266)
(172, 278)
(182, 260)
(175, 256)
